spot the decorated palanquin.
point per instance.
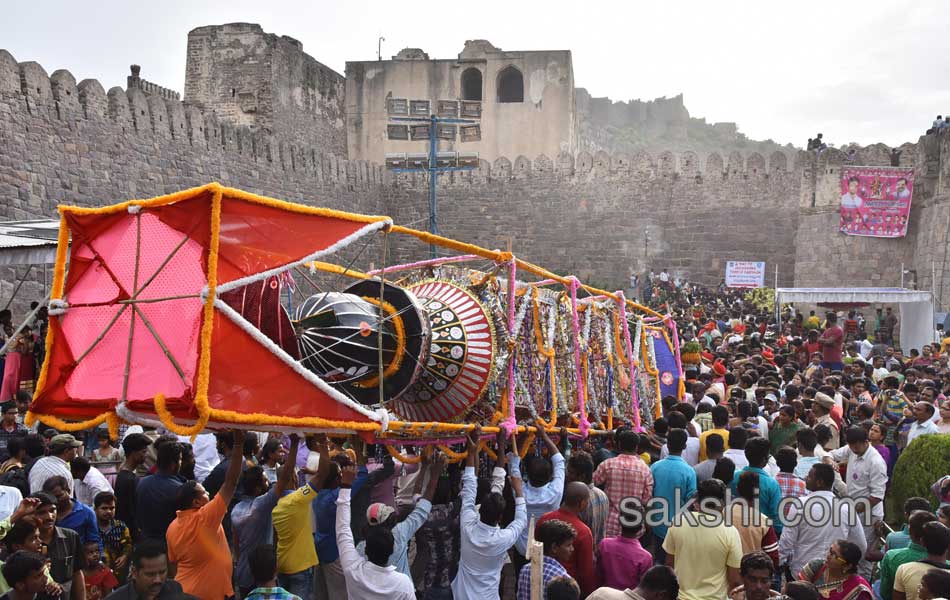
(189, 312)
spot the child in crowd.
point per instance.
(116, 538)
(99, 579)
(105, 452)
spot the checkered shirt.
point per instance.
(274, 593)
(791, 485)
(550, 569)
(625, 476)
(595, 515)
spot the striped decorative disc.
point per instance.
(460, 358)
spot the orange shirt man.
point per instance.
(196, 540)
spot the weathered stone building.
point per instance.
(598, 215)
(248, 77)
(522, 102)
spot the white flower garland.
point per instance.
(519, 319)
(585, 331)
(651, 352)
(551, 324)
(637, 340)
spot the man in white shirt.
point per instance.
(545, 485)
(738, 437)
(370, 578)
(88, 481)
(205, 448)
(484, 545)
(10, 498)
(691, 453)
(867, 480)
(815, 521)
(62, 450)
(924, 413)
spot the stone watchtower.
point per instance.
(249, 77)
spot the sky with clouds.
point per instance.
(865, 72)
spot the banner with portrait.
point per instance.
(875, 201)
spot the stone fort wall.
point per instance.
(827, 258)
(605, 217)
(63, 142)
(601, 217)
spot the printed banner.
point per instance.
(875, 201)
(745, 274)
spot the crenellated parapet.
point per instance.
(642, 165)
(157, 115)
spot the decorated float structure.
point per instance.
(173, 313)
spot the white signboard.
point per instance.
(745, 274)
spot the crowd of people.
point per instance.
(769, 478)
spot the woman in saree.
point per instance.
(836, 576)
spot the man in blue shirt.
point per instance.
(324, 515)
(901, 539)
(251, 520)
(674, 482)
(770, 492)
(72, 514)
(155, 494)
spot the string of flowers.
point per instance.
(609, 351)
(583, 424)
(631, 363)
(585, 333)
(508, 398)
(519, 321)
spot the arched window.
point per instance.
(510, 85)
(472, 84)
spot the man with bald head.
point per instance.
(581, 565)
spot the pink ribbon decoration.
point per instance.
(584, 424)
(510, 425)
(681, 388)
(634, 397)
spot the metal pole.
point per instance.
(902, 275)
(778, 308)
(433, 175)
(18, 285)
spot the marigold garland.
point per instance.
(400, 327)
(61, 425)
(59, 282)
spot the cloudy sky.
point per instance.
(868, 71)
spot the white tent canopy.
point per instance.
(28, 242)
(916, 307)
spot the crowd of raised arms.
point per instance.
(769, 478)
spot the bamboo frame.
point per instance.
(393, 430)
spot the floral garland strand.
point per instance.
(584, 424)
(519, 320)
(609, 351)
(585, 333)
